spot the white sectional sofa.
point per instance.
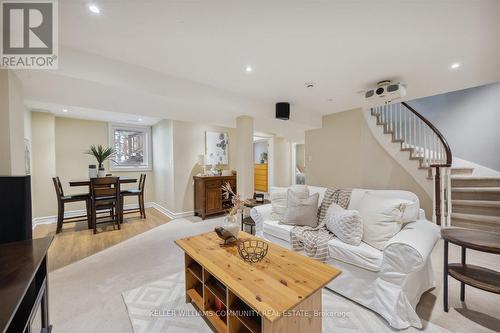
(389, 282)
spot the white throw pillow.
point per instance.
(383, 217)
(301, 211)
(345, 224)
(278, 197)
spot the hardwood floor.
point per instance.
(76, 242)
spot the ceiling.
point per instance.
(186, 59)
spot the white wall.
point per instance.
(300, 156)
(470, 121)
(282, 162)
(163, 166)
(188, 144)
(344, 153)
(12, 112)
(58, 148)
(43, 164)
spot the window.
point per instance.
(132, 147)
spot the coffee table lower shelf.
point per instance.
(227, 313)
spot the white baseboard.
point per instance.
(168, 212)
(73, 213)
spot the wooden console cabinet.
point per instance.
(209, 198)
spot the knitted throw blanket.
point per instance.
(315, 240)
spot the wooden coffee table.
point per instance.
(282, 293)
(475, 276)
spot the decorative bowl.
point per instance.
(252, 250)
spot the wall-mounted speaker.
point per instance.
(283, 110)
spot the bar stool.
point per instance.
(139, 192)
(105, 196)
(62, 199)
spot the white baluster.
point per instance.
(390, 117)
(433, 152)
(410, 126)
(448, 196)
(426, 150)
(414, 131)
(434, 195)
(400, 123)
(403, 115)
(443, 183)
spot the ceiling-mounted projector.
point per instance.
(385, 92)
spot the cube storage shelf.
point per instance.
(223, 309)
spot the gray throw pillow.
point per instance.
(301, 211)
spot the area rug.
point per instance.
(160, 307)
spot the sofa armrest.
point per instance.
(421, 214)
(409, 249)
(260, 214)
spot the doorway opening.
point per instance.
(299, 163)
(262, 147)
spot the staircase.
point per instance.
(460, 199)
(475, 200)
(426, 146)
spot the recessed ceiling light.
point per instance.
(94, 9)
(248, 68)
(139, 119)
(64, 110)
(455, 65)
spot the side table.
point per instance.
(475, 276)
(251, 203)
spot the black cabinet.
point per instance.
(23, 293)
(15, 205)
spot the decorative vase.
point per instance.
(231, 224)
(101, 173)
(92, 171)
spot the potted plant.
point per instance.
(219, 169)
(101, 154)
(263, 158)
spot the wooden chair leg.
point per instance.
(60, 217)
(94, 217)
(118, 213)
(122, 200)
(143, 209)
(89, 214)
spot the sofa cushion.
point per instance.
(278, 197)
(345, 224)
(301, 211)
(274, 228)
(316, 189)
(383, 217)
(363, 255)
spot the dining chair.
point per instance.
(105, 197)
(139, 192)
(63, 199)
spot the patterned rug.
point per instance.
(160, 307)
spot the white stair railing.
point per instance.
(425, 144)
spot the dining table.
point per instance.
(86, 182)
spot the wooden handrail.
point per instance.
(449, 157)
